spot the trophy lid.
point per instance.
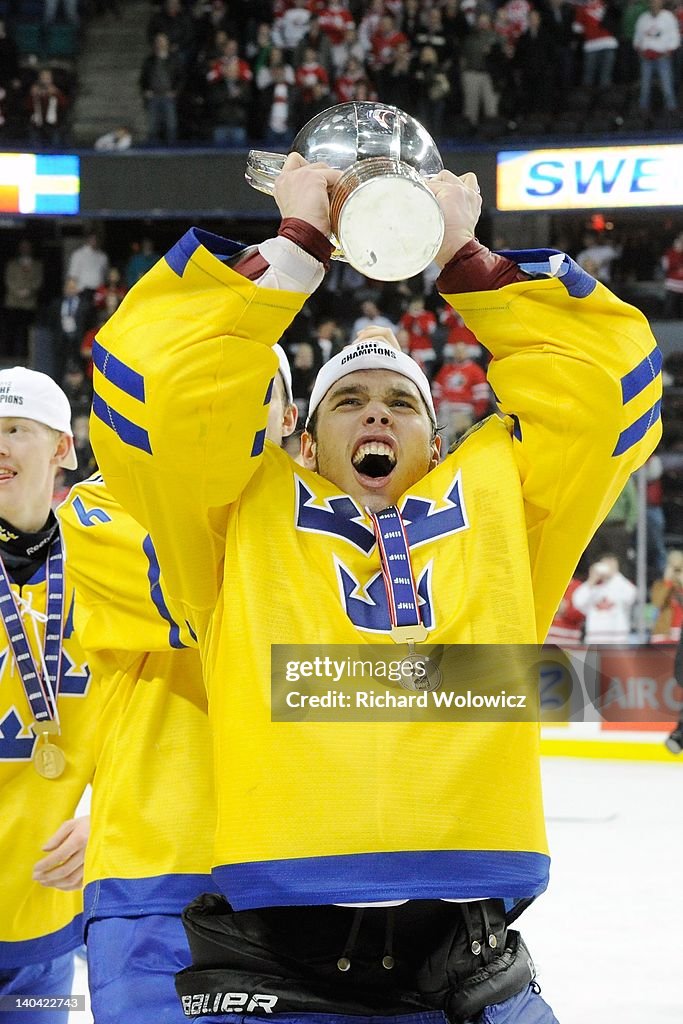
(343, 134)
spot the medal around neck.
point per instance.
(48, 760)
(419, 673)
(385, 220)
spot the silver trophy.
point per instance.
(385, 220)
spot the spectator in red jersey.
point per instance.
(566, 629)
(454, 326)
(335, 19)
(345, 85)
(229, 54)
(461, 393)
(315, 39)
(369, 24)
(384, 46)
(108, 296)
(309, 74)
(420, 323)
(672, 262)
(598, 23)
(667, 597)
(512, 20)
(47, 105)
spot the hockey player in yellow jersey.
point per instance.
(258, 551)
(47, 713)
(149, 852)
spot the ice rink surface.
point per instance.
(607, 936)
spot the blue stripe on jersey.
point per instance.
(269, 392)
(45, 947)
(259, 442)
(157, 594)
(577, 281)
(182, 252)
(116, 371)
(370, 877)
(160, 894)
(129, 432)
(641, 375)
(633, 434)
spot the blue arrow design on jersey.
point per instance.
(422, 523)
(14, 747)
(368, 608)
(339, 517)
(69, 623)
(75, 677)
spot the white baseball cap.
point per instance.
(370, 354)
(286, 371)
(30, 395)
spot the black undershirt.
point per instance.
(24, 553)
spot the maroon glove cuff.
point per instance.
(474, 268)
(312, 241)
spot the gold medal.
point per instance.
(48, 760)
(409, 634)
(419, 673)
(48, 726)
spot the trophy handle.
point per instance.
(263, 168)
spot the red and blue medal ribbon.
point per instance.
(397, 572)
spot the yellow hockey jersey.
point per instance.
(152, 811)
(38, 922)
(257, 551)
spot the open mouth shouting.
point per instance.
(374, 460)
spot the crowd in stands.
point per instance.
(459, 66)
(227, 73)
(56, 332)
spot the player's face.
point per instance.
(281, 415)
(373, 438)
(29, 456)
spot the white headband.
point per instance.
(369, 355)
(32, 395)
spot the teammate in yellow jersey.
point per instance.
(153, 808)
(442, 821)
(46, 710)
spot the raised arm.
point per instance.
(577, 372)
(183, 376)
